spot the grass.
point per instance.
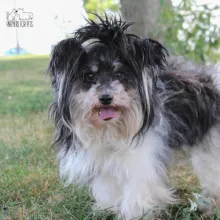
(29, 184)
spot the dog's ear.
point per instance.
(151, 53)
(62, 68)
(156, 53)
(64, 59)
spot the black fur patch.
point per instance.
(192, 106)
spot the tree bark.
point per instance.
(145, 14)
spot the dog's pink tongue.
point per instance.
(107, 113)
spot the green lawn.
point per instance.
(29, 184)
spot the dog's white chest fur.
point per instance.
(118, 176)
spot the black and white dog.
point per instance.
(121, 107)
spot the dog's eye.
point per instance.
(119, 75)
(90, 76)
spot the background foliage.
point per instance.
(190, 30)
(186, 29)
(100, 7)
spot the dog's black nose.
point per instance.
(105, 99)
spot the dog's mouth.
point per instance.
(108, 113)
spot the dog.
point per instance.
(121, 108)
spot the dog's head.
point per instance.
(103, 80)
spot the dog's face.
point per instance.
(105, 89)
(103, 82)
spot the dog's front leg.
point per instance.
(145, 199)
(107, 192)
(146, 191)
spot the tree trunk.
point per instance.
(145, 14)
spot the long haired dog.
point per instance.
(120, 108)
